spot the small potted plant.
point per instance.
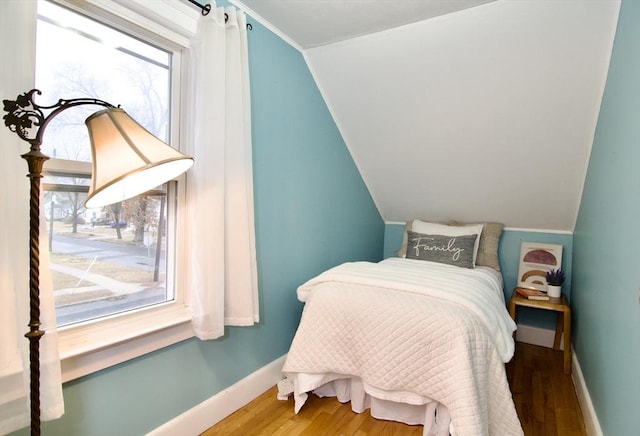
(555, 279)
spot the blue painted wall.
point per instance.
(313, 211)
(509, 252)
(606, 263)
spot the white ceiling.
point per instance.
(485, 113)
(312, 23)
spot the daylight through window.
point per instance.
(116, 258)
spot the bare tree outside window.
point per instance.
(109, 259)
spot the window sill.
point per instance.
(93, 347)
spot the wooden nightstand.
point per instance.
(563, 323)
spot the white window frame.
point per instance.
(92, 346)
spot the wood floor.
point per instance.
(535, 376)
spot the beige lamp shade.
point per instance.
(127, 159)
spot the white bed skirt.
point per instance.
(399, 406)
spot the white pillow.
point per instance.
(443, 229)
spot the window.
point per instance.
(117, 264)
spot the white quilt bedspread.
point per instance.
(405, 325)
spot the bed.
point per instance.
(419, 338)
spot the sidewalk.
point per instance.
(101, 282)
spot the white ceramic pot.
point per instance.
(554, 291)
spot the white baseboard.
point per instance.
(591, 423)
(537, 336)
(544, 338)
(213, 410)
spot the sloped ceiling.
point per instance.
(312, 23)
(469, 113)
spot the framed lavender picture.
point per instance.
(535, 260)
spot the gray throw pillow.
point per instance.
(452, 250)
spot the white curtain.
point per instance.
(17, 44)
(221, 240)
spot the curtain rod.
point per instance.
(206, 8)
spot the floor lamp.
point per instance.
(127, 160)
